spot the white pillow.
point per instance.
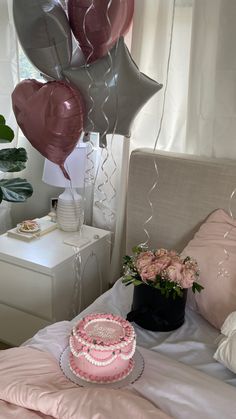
(226, 351)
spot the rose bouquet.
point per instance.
(164, 270)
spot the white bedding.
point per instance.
(180, 377)
(193, 344)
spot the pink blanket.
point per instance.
(32, 386)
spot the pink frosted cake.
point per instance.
(102, 348)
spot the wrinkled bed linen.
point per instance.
(33, 386)
(193, 344)
(197, 387)
(32, 380)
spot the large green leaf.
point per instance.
(15, 190)
(12, 159)
(6, 133)
(2, 120)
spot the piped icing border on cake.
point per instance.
(83, 339)
(86, 352)
(96, 379)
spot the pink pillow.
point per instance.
(215, 255)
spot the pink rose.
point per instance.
(188, 278)
(150, 271)
(173, 254)
(161, 252)
(173, 273)
(163, 262)
(144, 259)
(191, 264)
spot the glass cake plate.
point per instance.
(131, 378)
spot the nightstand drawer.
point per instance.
(17, 326)
(46, 280)
(25, 289)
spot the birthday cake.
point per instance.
(102, 348)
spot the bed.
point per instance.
(181, 379)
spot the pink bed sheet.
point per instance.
(33, 386)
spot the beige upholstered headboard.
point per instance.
(188, 189)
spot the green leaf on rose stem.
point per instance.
(137, 282)
(178, 291)
(197, 287)
(137, 249)
(127, 259)
(127, 278)
(128, 283)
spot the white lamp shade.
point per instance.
(75, 165)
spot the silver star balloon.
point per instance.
(114, 91)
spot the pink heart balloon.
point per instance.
(51, 117)
(98, 24)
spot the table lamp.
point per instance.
(70, 209)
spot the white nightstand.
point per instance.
(37, 280)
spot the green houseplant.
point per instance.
(12, 160)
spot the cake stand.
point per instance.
(131, 378)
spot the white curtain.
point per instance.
(9, 68)
(150, 49)
(212, 85)
(9, 77)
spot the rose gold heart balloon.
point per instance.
(51, 117)
(97, 24)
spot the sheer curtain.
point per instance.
(9, 77)
(200, 111)
(9, 69)
(150, 49)
(212, 85)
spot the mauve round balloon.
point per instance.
(51, 117)
(97, 24)
(44, 33)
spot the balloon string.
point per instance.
(167, 76)
(106, 74)
(89, 259)
(222, 272)
(77, 289)
(89, 173)
(150, 203)
(79, 218)
(155, 184)
(79, 272)
(108, 213)
(112, 172)
(87, 66)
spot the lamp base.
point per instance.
(70, 213)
